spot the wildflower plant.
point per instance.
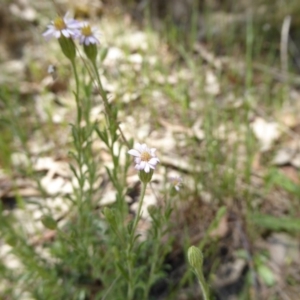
(97, 251)
(97, 246)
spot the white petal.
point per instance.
(66, 33)
(144, 147)
(57, 34)
(152, 166)
(152, 151)
(147, 168)
(142, 165)
(71, 31)
(93, 40)
(49, 30)
(139, 147)
(73, 24)
(48, 34)
(134, 152)
(66, 15)
(153, 161)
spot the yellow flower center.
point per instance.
(59, 23)
(86, 30)
(145, 156)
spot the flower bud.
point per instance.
(49, 222)
(91, 52)
(146, 177)
(195, 258)
(68, 47)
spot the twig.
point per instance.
(284, 43)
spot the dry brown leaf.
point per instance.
(222, 229)
(291, 173)
(212, 85)
(283, 247)
(266, 133)
(289, 154)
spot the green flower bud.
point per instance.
(145, 177)
(195, 258)
(49, 222)
(68, 47)
(91, 52)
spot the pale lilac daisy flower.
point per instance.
(145, 157)
(176, 182)
(88, 34)
(62, 27)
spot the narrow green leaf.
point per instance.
(275, 223)
(123, 271)
(266, 275)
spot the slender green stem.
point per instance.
(106, 104)
(78, 105)
(138, 215)
(110, 287)
(78, 145)
(130, 293)
(203, 285)
(102, 92)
